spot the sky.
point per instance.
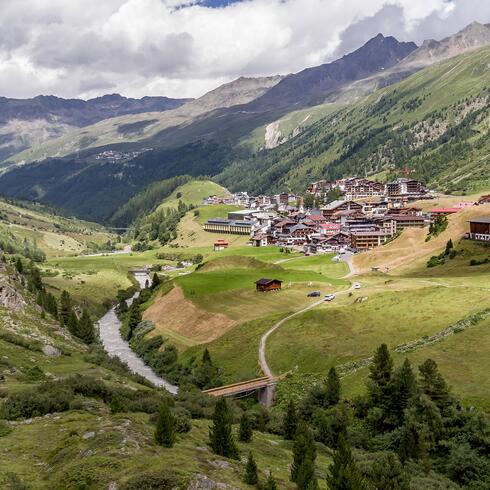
(184, 48)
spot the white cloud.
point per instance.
(181, 47)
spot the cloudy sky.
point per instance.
(182, 48)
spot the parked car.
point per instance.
(329, 297)
(356, 285)
(314, 294)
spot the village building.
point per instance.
(362, 189)
(220, 244)
(405, 187)
(227, 226)
(265, 285)
(443, 211)
(340, 205)
(480, 229)
(484, 200)
(263, 240)
(366, 240)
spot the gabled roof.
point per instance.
(265, 282)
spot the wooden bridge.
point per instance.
(264, 386)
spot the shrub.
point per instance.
(152, 481)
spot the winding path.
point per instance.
(115, 345)
(263, 341)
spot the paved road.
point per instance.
(263, 341)
(115, 345)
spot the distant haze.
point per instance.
(183, 48)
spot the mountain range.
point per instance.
(92, 170)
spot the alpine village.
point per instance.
(283, 283)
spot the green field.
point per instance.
(193, 193)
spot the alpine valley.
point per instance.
(281, 284)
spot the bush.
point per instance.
(152, 481)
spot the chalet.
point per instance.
(484, 200)
(366, 240)
(362, 189)
(264, 285)
(480, 229)
(262, 240)
(405, 187)
(330, 229)
(410, 221)
(220, 245)
(339, 205)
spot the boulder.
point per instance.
(50, 350)
(10, 298)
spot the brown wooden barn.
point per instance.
(268, 285)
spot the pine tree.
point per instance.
(245, 432)
(85, 329)
(306, 479)
(303, 448)
(220, 433)
(403, 387)
(380, 376)
(433, 384)
(344, 474)
(165, 429)
(270, 483)
(290, 421)
(155, 282)
(206, 357)
(72, 323)
(449, 247)
(19, 266)
(64, 308)
(134, 318)
(251, 476)
(332, 388)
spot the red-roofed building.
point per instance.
(220, 245)
(444, 211)
(330, 229)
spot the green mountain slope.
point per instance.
(38, 231)
(435, 123)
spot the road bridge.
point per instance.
(264, 386)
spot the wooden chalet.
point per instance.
(264, 285)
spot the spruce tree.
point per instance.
(85, 329)
(402, 388)
(332, 388)
(64, 308)
(165, 429)
(245, 432)
(290, 421)
(134, 318)
(19, 266)
(270, 483)
(206, 357)
(433, 384)
(220, 433)
(303, 448)
(251, 476)
(344, 474)
(72, 323)
(155, 281)
(380, 376)
(306, 479)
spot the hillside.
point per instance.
(26, 225)
(30, 122)
(435, 123)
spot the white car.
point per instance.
(356, 285)
(329, 297)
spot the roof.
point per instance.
(265, 282)
(445, 210)
(484, 220)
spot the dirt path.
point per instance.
(263, 341)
